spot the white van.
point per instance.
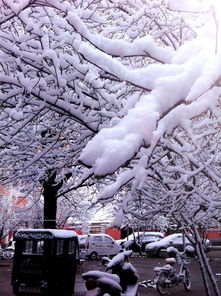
(101, 245)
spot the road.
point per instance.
(144, 267)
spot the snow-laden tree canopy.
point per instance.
(178, 90)
(128, 91)
(15, 211)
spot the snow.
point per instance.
(16, 6)
(119, 259)
(105, 280)
(57, 233)
(189, 5)
(98, 274)
(191, 74)
(109, 190)
(143, 234)
(144, 237)
(165, 242)
(117, 151)
(109, 92)
(110, 282)
(109, 81)
(143, 46)
(16, 114)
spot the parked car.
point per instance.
(82, 246)
(140, 239)
(175, 240)
(100, 245)
(82, 241)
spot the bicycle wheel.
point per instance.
(7, 255)
(187, 279)
(162, 287)
(93, 255)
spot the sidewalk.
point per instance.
(5, 277)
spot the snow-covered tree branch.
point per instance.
(110, 85)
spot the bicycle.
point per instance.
(167, 277)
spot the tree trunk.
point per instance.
(203, 270)
(1, 232)
(50, 208)
(205, 262)
(50, 191)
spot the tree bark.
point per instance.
(50, 191)
(203, 270)
(205, 263)
(1, 232)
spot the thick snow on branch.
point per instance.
(145, 46)
(194, 69)
(143, 78)
(14, 6)
(192, 110)
(191, 6)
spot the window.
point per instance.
(33, 247)
(71, 247)
(108, 240)
(60, 247)
(109, 243)
(98, 239)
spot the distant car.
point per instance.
(82, 246)
(96, 245)
(140, 239)
(82, 241)
(175, 240)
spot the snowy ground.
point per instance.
(145, 269)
